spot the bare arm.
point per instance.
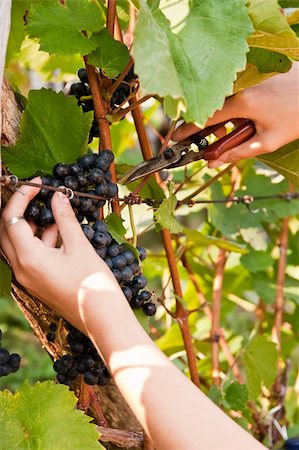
(75, 282)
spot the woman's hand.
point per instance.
(55, 275)
(274, 108)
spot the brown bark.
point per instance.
(39, 316)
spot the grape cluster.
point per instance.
(90, 174)
(123, 264)
(82, 92)
(9, 363)
(84, 360)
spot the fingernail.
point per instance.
(215, 164)
(63, 198)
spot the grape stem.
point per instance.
(120, 78)
(133, 227)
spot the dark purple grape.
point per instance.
(149, 309)
(134, 267)
(63, 364)
(107, 156)
(50, 336)
(4, 356)
(108, 238)
(127, 292)
(142, 253)
(61, 170)
(62, 378)
(86, 204)
(101, 252)
(75, 169)
(99, 239)
(76, 347)
(82, 179)
(88, 361)
(119, 262)
(139, 281)
(82, 75)
(104, 379)
(102, 190)
(45, 218)
(87, 161)
(108, 176)
(5, 370)
(75, 202)
(99, 225)
(136, 302)
(33, 211)
(90, 378)
(112, 190)
(79, 90)
(113, 250)
(109, 263)
(88, 231)
(96, 176)
(130, 257)
(145, 295)
(87, 105)
(117, 274)
(126, 274)
(14, 360)
(53, 327)
(71, 182)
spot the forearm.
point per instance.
(172, 411)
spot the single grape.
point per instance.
(50, 336)
(136, 302)
(149, 309)
(71, 182)
(75, 202)
(134, 267)
(108, 176)
(75, 169)
(82, 75)
(102, 189)
(117, 274)
(99, 225)
(14, 360)
(113, 250)
(90, 378)
(62, 378)
(78, 89)
(87, 160)
(61, 170)
(139, 281)
(4, 355)
(104, 379)
(142, 253)
(33, 211)
(112, 190)
(45, 218)
(86, 106)
(5, 370)
(76, 347)
(96, 176)
(99, 239)
(101, 252)
(88, 231)
(126, 273)
(129, 256)
(119, 262)
(127, 292)
(86, 204)
(82, 180)
(145, 295)
(109, 263)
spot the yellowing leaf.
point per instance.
(288, 46)
(267, 16)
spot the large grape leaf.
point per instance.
(288, 46)
(260, 364)
(53, 129)
(110, 55)
(266, 16)
(236, 396)
(59, 26)
(285, 160)
(44, 416)
(193, 76)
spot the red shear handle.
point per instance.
(233, 139)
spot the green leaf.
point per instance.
(110, 56)
(59, 27)
(257, 237)
(256, 261)
(204, 240)
(262, 279)
(236, 395)
(266, 16)
(215, 395)
(17, 28)
(44, 416)
(118, 231)
(53, 129)
(288, 46)
(289, 3)
(190, 87)
(260, 359)
(285, 161)
(164, 215)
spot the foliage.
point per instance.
(189, 56)
(44, 416)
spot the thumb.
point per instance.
(67, 223)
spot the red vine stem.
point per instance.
(121, 77)
(279, 298)
(181, 314)
(100, 109)
(216, 308)
(111, 12)
(207, 310)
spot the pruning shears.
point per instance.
(194, 148)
